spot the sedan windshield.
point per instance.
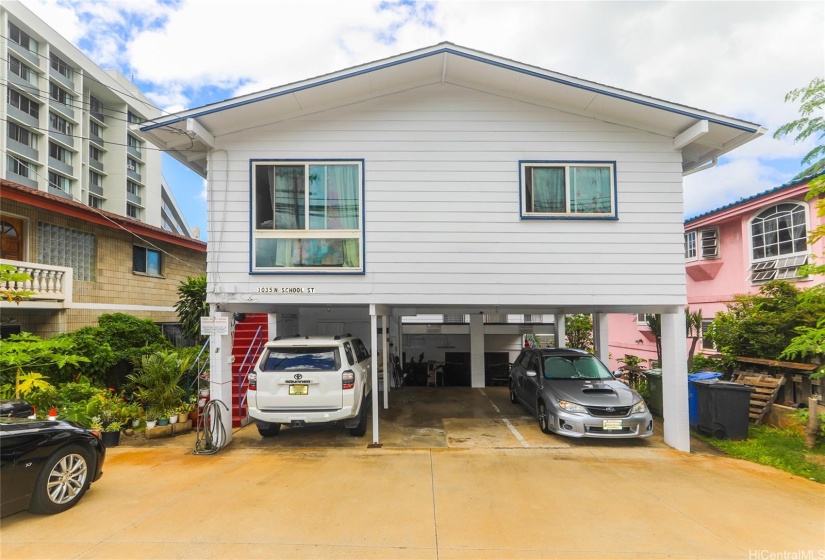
(575, 367)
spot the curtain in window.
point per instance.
(333, 197)
(546, 190)
(288, 193)
(589, 190)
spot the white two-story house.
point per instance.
(448, 181)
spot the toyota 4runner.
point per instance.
(311, 380)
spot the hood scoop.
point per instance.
(598, 391)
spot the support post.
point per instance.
(220, 373)
(385, 352)
(477, 350)
(374, 358)
(559, 335)
(600, 337)
(674, 380)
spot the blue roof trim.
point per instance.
(448, 50)
(773, 190)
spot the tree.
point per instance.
(810, 123)
(22, 355)
(579, 332)
(763, 325)
(192, 305)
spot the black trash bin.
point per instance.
(723, 408)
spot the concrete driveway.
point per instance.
(473, 493)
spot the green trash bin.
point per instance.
(654, 387)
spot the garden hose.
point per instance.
(211, 435)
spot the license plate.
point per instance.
(299, 389)
(611, 424)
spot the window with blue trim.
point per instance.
(557, 189)
(307, 216)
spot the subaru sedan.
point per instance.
(573, 394)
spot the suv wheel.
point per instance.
(269, 430)
(361, 428)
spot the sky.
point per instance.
(738, 58)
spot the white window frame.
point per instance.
(60, 153)
(60, 66)
(641, 319)
(16, 165)
(344, 234)
(691, 253)
(527, 214)
(783, 266)
(20, 37)
(22, 135)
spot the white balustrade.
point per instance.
(49, 283)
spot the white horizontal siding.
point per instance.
(442, 205)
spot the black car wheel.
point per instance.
(361, 428)
(271, 430)
(62, 482)
(543, 421)
(513, 398)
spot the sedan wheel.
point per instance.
(543, 420)
(62, 482)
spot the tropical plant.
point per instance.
(11, 282)
(24, 353)
(157, 382)
(763, 325)
(89, 342)
(810, 123)
(192, 305)
(578, 330)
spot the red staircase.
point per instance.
(244, 338)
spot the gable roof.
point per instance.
(72, 209)
(701, 135)
(752, 200)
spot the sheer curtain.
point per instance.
(589, 190)
(547, 186)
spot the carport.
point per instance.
(449, 180)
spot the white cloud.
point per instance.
(734, 58)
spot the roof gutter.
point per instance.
(708, 165)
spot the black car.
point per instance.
(46, 465)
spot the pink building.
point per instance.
(734, 250)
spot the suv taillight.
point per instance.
(253, 381)
(348, 379)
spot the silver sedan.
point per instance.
(573, 394)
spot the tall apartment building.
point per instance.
(67, 126)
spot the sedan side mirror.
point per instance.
(618, 373)
(530, 373)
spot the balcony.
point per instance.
(96, 189)
(24, 118)
(23, 52)
(61, 108)
(21, 179)
(64, 139)
(61, 79)
(30, 87)
(61, 166)
(13, 145)
(94, 164)
(133, 198)
(96, 139)
(133, 175)
(134, 152)
(51, 286)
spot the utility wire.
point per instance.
(87, 76)
(119, 225)
(143, 147)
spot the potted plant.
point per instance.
(183, 412)
(111, 434)
(172, 414)
(151, 418)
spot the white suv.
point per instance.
(311, 380)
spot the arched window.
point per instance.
(779, 242)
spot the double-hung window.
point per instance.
(60, 65)
(779, 242)
(307, 216)
(60, 153)
(22, 135)
(568, 190)
(59, 94)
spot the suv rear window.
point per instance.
(302, 359)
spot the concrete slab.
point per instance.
(451, 482)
